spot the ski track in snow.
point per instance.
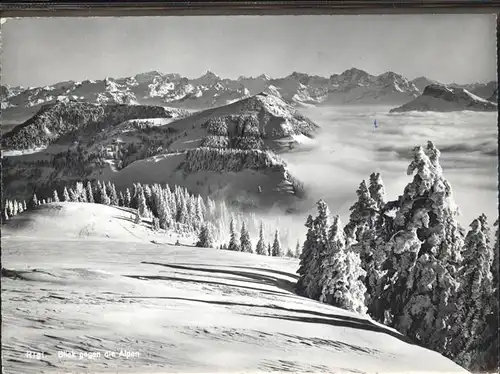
(175, 309)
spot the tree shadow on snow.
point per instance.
(125, 209)
(19, 222)
(127, 219)
(204, 282)
(284, 273)
(340, 321)
(261, 278)
(319, 317)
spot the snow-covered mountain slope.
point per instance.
(226, 152)
(250, 179)
(483, 90)
(276, 121)
(440, 98)
(164, 308)
(211, 152)
(356, 86)
(353, 86)
(76, 119)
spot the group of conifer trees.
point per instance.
(174, 209)
(409, 265)
(244, 244)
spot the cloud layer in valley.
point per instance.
(349, 148)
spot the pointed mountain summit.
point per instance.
(422, 82)
(147, 77)
(209, 78)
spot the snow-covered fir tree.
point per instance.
(424, 254)
(365, 236)
(55, 196)
(135, 196)
(121, 198)
(261, 249)
(362, 215)
(205, 237)
(233, 243)
(199, 213)
(307, 259)
(127, 198)
(277, 251)
(147, 191)
(474, 303)
(164, 214)
(341, 273)
(495, 263)
(377, 190)
(314, 251)
(104, 194)
(96, 190)
(34, 201)
(90, 193)
(155, 224)
(487, 358)
(297, 250)
(142, 206)
(8, 208)
(73, 197)
(245, 243)
(182, 210)
(113, 197)
(81, 192)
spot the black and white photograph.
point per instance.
(249, 193)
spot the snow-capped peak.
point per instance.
(209, 75)
(354, 73)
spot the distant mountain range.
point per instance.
(353, 86)
(140, 129)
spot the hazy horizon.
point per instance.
(448, 48)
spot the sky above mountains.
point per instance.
(447, 48)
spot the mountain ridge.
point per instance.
(353, 86)
(442, 98)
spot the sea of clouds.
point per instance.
(349, 148)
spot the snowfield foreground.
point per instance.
(84, 289)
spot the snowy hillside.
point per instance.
(353, 86)
(83, 279)
(440, 98)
